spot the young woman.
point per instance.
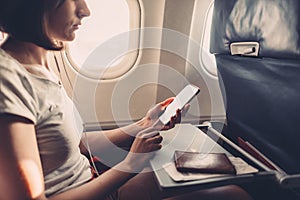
(40, 152)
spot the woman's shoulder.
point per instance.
(13, 75)
(9, 65)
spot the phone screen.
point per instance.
(181, 99)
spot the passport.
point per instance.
(196, 162)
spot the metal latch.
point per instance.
(244, 48)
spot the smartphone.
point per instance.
(181, 99)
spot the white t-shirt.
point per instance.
(33, 92)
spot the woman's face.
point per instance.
(62, 22)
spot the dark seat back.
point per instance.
(261, 94)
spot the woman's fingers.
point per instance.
(185, 109)
(154, 143)
(156, 139)
(155, 147)
(166, 102)
(160, 107)
(148, 132)
(143, 147)
(151, 141)
(176, 119)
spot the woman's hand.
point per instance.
(143, 148)
(152, 117)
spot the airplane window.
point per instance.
(206, 58)
(101, 48)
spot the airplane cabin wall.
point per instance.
(186, 20)
(159, 72)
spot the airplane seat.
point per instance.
(257, 49)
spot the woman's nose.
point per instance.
(83, 10)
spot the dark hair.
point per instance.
(24, 20)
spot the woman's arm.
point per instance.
(143, 148)
(21, 171)
(100, 141)
(20, 166)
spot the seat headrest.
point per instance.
(274, 24)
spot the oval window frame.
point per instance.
(205, 43)
(121, 66)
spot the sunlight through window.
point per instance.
(108, 20)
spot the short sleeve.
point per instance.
(16, 91)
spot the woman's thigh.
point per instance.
(141, 187)
(144, 187)
(229, 192)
